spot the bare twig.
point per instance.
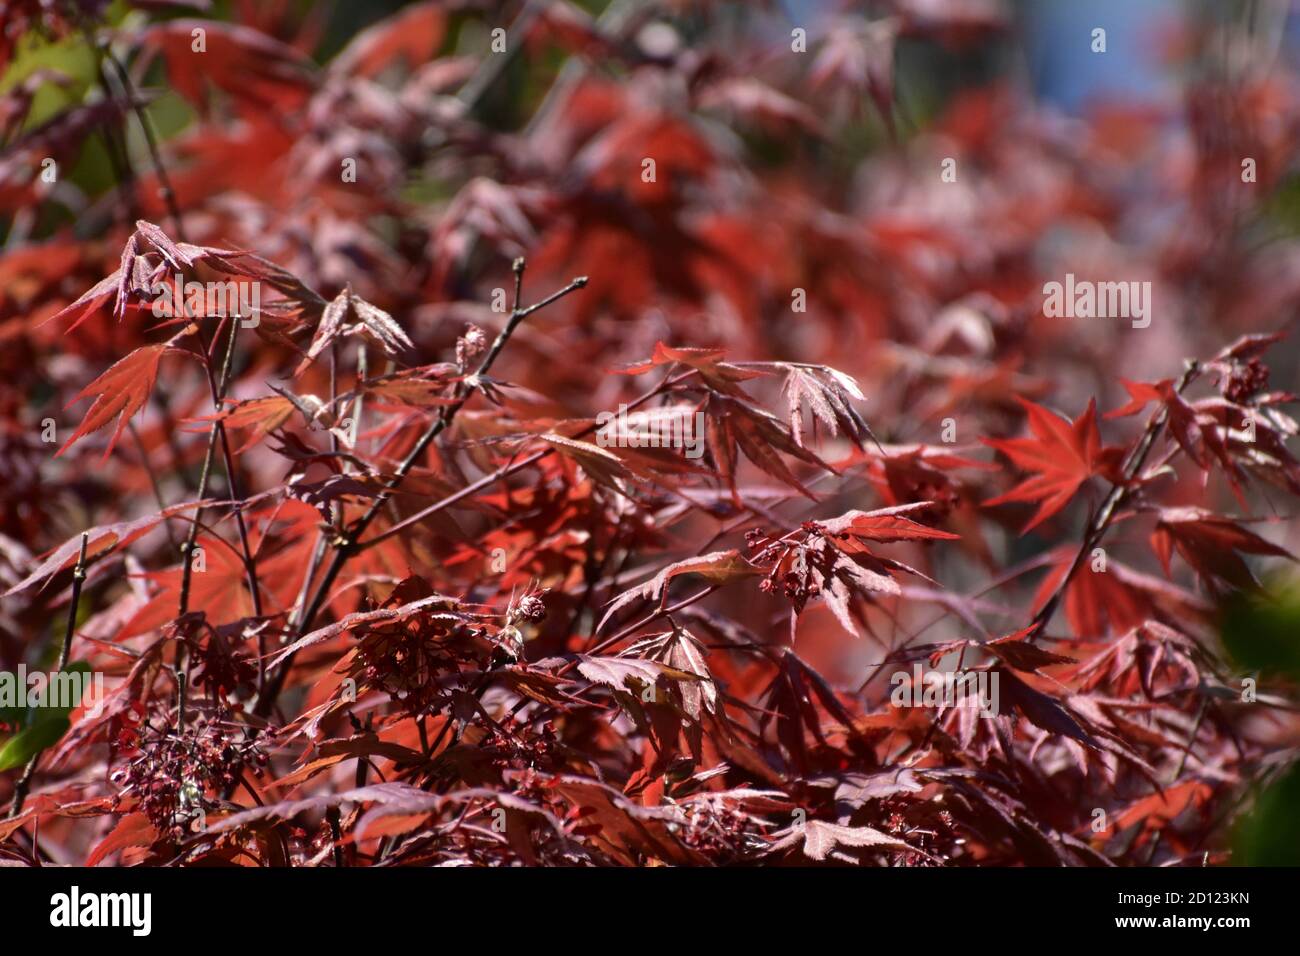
(218, 393)
(78, 576)
(165, 190)
(187, 549)
(493, 66)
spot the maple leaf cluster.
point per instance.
(370, 581)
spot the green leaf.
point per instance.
(1270, 834)
(28, 743)
(29, 717)
(43, 713)
(1259, 629)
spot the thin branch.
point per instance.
(504, 471)
(187, 549)
(153, 480)
(1116, 497)
(218, 393)
(165, 191)
(78, 576)
(346, 544)
(494, 65)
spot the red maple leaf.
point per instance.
(1210, 544)
(1063, 454)
(719, 375)
(1198, 435)
(119, 393)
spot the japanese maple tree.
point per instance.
(373, 581)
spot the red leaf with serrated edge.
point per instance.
(99, 541)
(89, 302)
(1039, 709)
(1195, 437)
(1140, 395)
(119, 393)
(1250, 346)
(1210, 544)
(1094, 599)
(733, 423)
(827, 393)
(708, 362)
(134, 829)
(262, 415)
(1016, 651)
(219, 589)
(1159, 809)
(820, 840)
(718, 568)
(886, 525)
(617, 671)
(1064, 455)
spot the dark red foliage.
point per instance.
(392, 572)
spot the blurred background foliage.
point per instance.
(1261, 631)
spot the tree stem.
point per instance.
(65, 651)
(346, 544)
(1116, 497)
